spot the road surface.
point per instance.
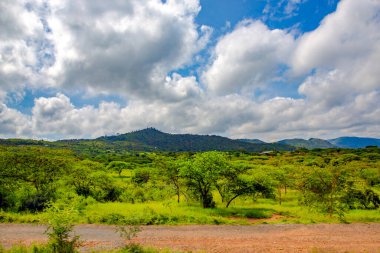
(218, 238)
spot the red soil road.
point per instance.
(222, 238)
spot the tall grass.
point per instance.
(241, 211)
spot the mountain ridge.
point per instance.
(311, 143)
(151, 139)
(355, 142)
(191, 142)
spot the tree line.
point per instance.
(333, 180)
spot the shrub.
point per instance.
(60, 219)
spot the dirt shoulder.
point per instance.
(222, 238)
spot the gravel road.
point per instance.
(222, 238)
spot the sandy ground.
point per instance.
(222, 238)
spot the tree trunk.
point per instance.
(207, 200)
(229, 202)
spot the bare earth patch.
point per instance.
(222, 238)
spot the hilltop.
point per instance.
(154, 139)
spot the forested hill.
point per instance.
(355, 142)
(158, 140)
(309, 144)
(151, 139)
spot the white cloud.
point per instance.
(246, 58)
(13, 123)
(125, 47)
(345, 38)
(19, 28)
(135, 48)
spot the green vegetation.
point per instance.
(152, 140)
(311, 143)
(135, 188)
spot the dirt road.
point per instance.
(208, 238)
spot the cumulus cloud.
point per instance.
(126, 47)
(346, 38)
(13, 123)
(136, 48)
(248, 57)
(19, 27)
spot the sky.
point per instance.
(242, 69)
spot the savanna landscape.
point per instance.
(189, 126)
(141, 193)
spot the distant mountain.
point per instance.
(309, 144)
(256, 141)
(153, 139)
(355, 142)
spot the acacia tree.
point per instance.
(243, 184)
(36, 171)
(119, 166)
(325, 187)
(170, 170)
(202, 173)
(81, 176)
(283, 178)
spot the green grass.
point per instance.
(153, 213)
(10, 217)
(241, 211)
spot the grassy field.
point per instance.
(243, 211)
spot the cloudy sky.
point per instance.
(242, 69)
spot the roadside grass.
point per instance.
(242, 211)
(363, 216)
(21, 217)
(152, 213)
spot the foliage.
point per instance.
(61, 224)
(202, 173)
(128, 232)
(119, 166)
(326, 188)
(166, 187)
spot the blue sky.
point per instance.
(306, 14)
(243, 69)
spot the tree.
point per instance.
(119, 166)
(202, 173)
(238, 181)
(82, 176)
(325, 187)
(37, 172)
(170, 170)
(141, 176)
(282, 176)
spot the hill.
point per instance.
(256, 141)
(355, 142)
(154, 139)
(311, 143)
(151, 139)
